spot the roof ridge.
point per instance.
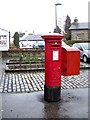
(4, 29)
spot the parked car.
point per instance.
(39, 45)
(84, 50)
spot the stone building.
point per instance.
(80, 31)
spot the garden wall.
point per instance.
(16, 53)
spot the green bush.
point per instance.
(70, 42)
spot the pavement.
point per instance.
(22, 96)
(73, 104)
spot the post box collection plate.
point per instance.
(55, 55)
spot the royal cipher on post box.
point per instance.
(52, 87)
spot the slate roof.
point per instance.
(80, 26)
(33, 37)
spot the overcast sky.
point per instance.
(39, 15)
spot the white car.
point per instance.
(84, 50)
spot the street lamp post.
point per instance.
(56, 12)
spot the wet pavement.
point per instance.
(73, 104)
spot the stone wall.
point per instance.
(15, 53)
(79, 35)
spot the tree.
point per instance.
(57, 30)
(66, 28)
(16, 39)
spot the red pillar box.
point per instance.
(52, 87)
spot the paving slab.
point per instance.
(73, 104)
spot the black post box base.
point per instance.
(52, 94)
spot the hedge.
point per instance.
(70, 42)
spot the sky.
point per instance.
(38, 16)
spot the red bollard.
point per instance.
(52, 87)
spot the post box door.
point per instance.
(53, 66)
(56, 66)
